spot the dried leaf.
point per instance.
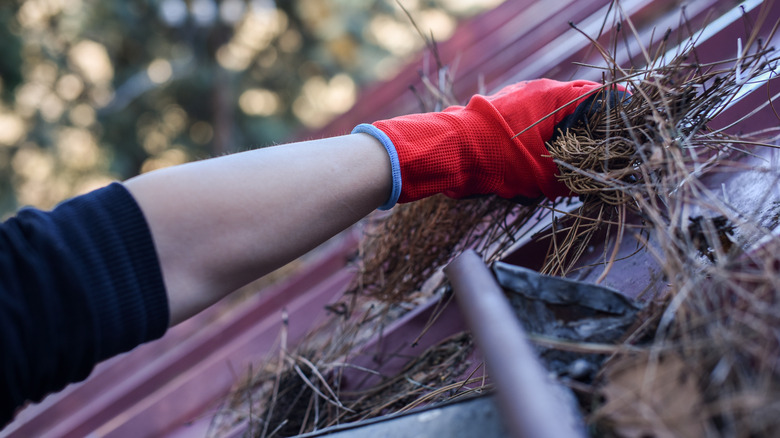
(648, 396)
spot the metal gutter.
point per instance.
(475, 417)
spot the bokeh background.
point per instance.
(94, 91)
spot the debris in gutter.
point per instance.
(652, 394)
(711, 236)
(567, 310)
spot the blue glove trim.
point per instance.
(395, 165)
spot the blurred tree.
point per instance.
(10, 47)
(97, 90)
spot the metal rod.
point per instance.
(526, 397)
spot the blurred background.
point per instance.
(99, 90)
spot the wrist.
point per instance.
(395, 167)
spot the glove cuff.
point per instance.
(395, 165)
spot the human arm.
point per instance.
(88, 280)
(218, 224)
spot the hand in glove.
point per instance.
(474, 150)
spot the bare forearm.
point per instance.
(221, 223)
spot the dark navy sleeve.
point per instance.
(78, 285)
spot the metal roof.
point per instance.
(171, 386)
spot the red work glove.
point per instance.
(473, 150)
